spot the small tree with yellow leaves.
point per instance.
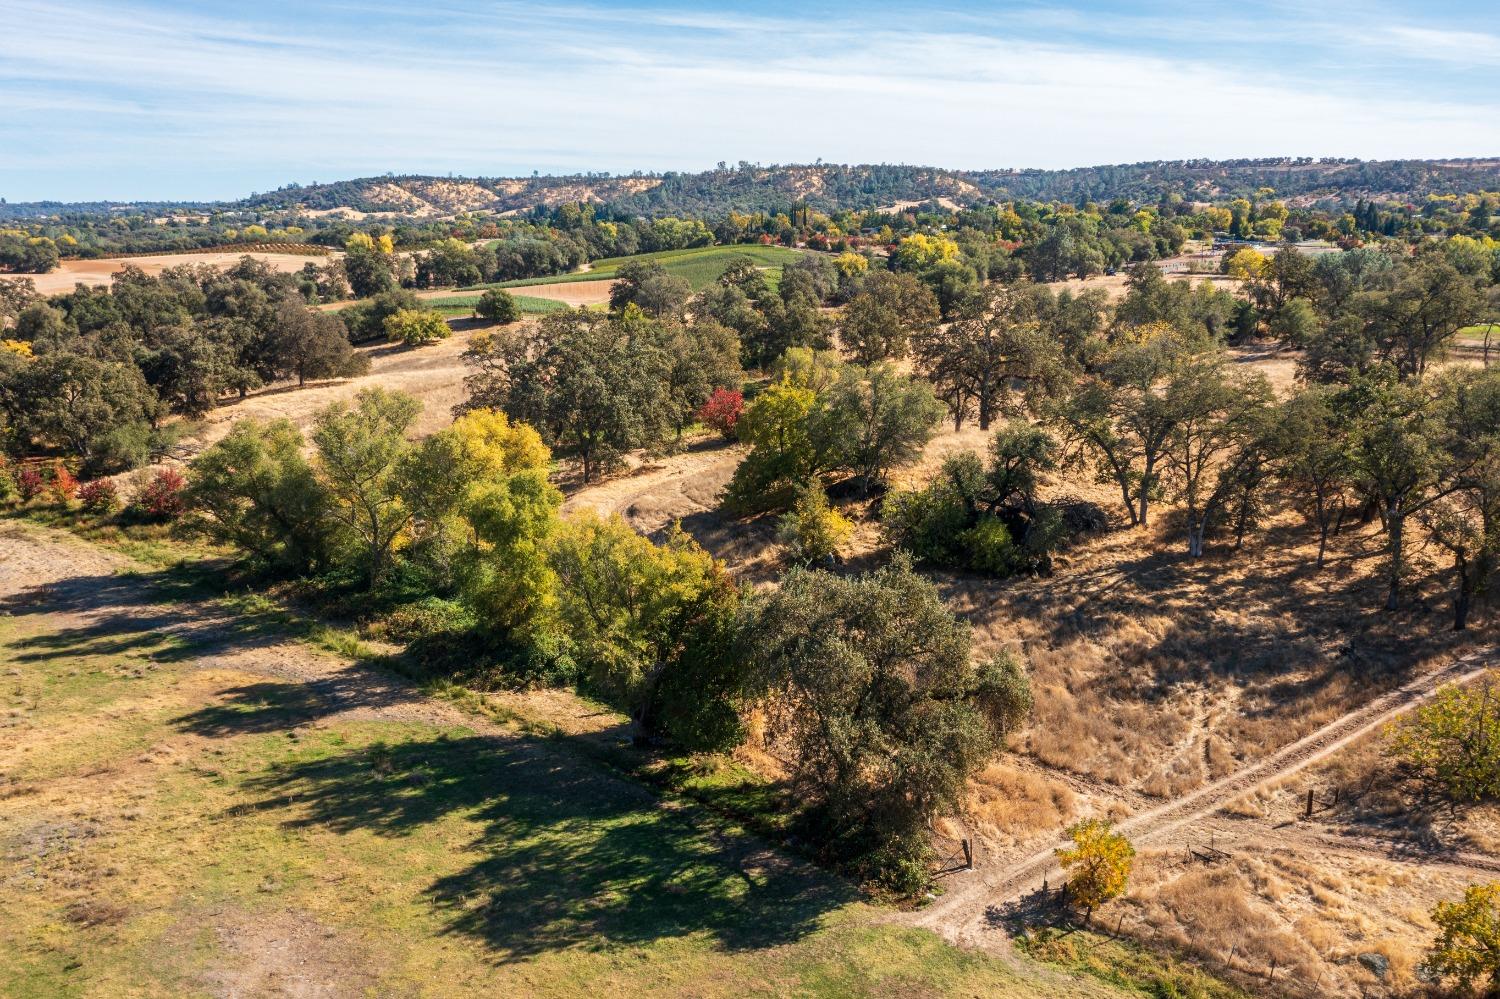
(1098, 864)
(1468, 943)
(813, 531)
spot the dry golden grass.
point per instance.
(1312, 921)
(1006, 802)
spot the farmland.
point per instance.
(699, 267)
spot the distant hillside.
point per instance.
(1212, 180)
(745, 188)
(831, 187)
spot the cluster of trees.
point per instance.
(883, 723)
(821, 417)
(23, 253)
(92, 373)
(598, 385)
(1145, 395)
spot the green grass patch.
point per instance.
(264, 834)
(1125, 964)
(462, 306)
(700, 267)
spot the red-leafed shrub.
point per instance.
(30, 483)
(162, 497)
(98, 496)
(722, 411)
(64, 485)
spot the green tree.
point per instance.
(997, 343)
(1218, 442)
(883, 316)
(877, 419)
(872, 681)
(254, 490)
(312, 344)
(1413, 323)
(1404, 454)
(369, 271)
(1311, 452)
(360, 452)
(498, 306)
(1467, 948)
(1123, 416)
(1451, 746)
(783, 453)
(484, 513)
(594, 385)
(77, 402)
(633, 612)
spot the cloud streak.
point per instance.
(140, 99)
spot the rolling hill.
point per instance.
(830, 187)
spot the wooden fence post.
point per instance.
(1308, 813)
(968, 855)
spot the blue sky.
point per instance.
(130, 99)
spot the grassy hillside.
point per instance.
(192, 803)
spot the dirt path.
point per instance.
(657, 493)
(967, 909)
(89, 591)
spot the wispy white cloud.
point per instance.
(174, 99)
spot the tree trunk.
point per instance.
(1468, 582)
(1195, 539)
(1396, 524)
(1322, 539)
(1146, 491)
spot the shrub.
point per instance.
(162, 497)
(124, 448)
(423, 619)
(416, 327)
(985, 519)
(98, 496)
(498, 306)
(813, 531)
(29, 484)
(7, 480)
(989, 547)
(63, 484)
(721, 413)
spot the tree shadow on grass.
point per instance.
(572, 856)
(257, 708)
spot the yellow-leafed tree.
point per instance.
(1098, 863)
(1468, 943)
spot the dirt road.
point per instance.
(965, 912)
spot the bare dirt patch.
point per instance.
(284, 954)
(101, 271)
